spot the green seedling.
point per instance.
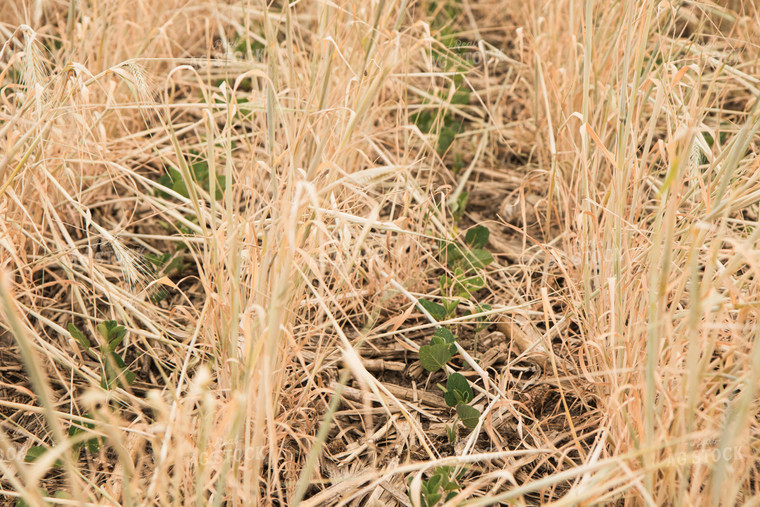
(442, 120)
(464, 261)
(458, 393)
(91, 445)
(440, 351)
(459, 207)
(437, 311)
(443, 336)
(464, 278)
(461, 285)
(472, 255)
(457, 390)
(468, 414)
(36, 451)
(434, 357)
(173, 179)
(63, 495)
(114, 371)
(442, 485)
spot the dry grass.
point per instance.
(610, 148)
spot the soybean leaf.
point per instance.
(112, 333)
(446, 138)
(446, 335)
(469, 415)
(34, 453)
(111, 377)
(158, 260)
(477, 237)
(103, 330)
(92, 443)
(458, 208)
(22, 503)
(451, 253)
(438, 312)
(451, 433)
(458, 390)
(443, 336)
(434, 357)
(128, 375)
(78, 336)
(473, 283)
(479, 258)
(117, 336)
(434, 483)
(432, 498)
(450, 306)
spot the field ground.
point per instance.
(390, 252)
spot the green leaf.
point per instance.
(451, 486)
(461, 97)
(111, 378)
(112, 333)
(34, 453)
(167, 180)
(478, 258)
(434, 357)
(434, 483)
(103, 330)
(424, 120)
(445, 335)
(129, 376)
(456, 166)
(451, 253)
(166, 261)
(458, 390)
(78, 336)
(438, 312)
(159, 295)
(158, 260)
(92, 444)
(469, 415)
(117, 336)
(451, 433)
(22, 503)
(445, 139)
(474, 283)
(477, 237)
(432, 498)
(458, 209)
(447, 484)
(450, 306)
